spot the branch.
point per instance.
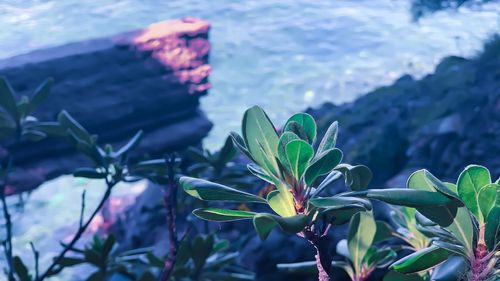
(51, 269)
(36, 255)
(7, 244)
(324, 260)
(170, 201)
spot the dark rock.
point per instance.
(148, 79)
(443, 122)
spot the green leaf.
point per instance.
(227, 152)
(285, 138)
(240, 143)
(346, 267)
(396, 276)
(492, 231)
(7, 98)
(210, 191)
(89, 173)
(282, 205)
(41, 94)
(469, 183)
(34, 136)
(322, 165)
(296, 128)
(487, 197)
(222, 215)
(356, 177)
(203, 246)
(299, 153)
(258, 172)
(68, 123)
(20, 269)
(453, 269)
(265, 223)
(307, 267)
(456, 249)
(379, 258)
(339, 202)
(307, 122)
(329, 139)
(360, 237)
(68, 261)
(131, 144)
(421, 260)
(409, 197)
(340, 215)
(260, 138)
(384, 232)
(108, 245)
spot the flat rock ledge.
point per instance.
(149, 79)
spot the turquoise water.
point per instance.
(283, 55)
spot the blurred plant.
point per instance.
(204, 257)
(17, 124)
(462, 218)
(289, 163)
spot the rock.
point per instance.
(443, 122)
(148, 79)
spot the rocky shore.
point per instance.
(149, 79)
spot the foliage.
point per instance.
(462, 218)
(290, 164)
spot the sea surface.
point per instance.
(281, 54)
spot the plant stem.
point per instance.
(7, 244)
(170, 201)
(323, 258)
(79, 233)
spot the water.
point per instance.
(283, 55)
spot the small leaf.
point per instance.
(41, 94)
(360, 237)
(203, 246)
(210, 191)
(492, 232)
(285, 138)
(454, 268)
(69, 261)
(299, 153)
(21, 269)
(216, 214)
(322, 165)
(7, 98)
(34, 136)
(68, 123)
(307, 122)
(240, 144)
(297, 129)
(356, 177)
(131, 144)
(306, 267)
(409, 197)
(89, 173)
(396, 276)
(329, 139)
(339, 202)
(265, 223)
(487, 197)
(456, 249)
(227, 152)
(470, 181)
(258, 172)
(282, 205)
(421, 260)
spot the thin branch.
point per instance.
(52, 268)
(170, 201)
(7, 244)
(36, 256)
(82, 210)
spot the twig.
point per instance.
(7, 244)
(48, 272)
(36, 255)
(323, 257)
(82, 210)
(170, 201)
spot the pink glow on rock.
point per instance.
(180, 46)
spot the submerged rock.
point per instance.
(149, 79)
